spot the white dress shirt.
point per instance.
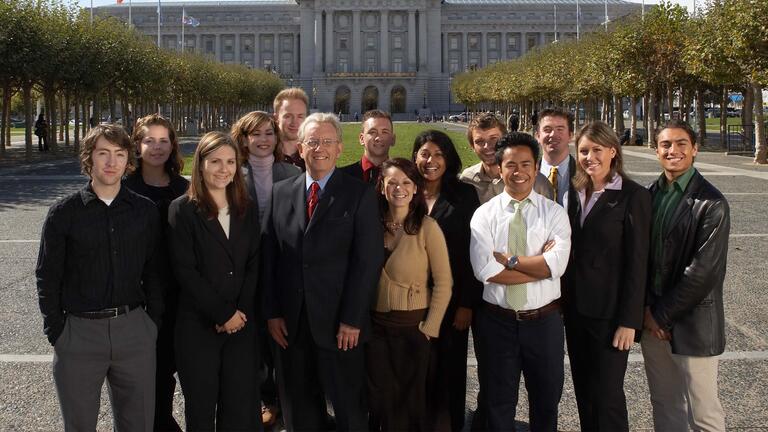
(545, 220)
(563, 177)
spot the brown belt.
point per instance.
(526, 315)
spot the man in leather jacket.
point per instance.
(684, 323)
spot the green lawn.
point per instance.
(405, 133)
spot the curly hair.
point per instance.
(113, 133)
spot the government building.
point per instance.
(354, 55)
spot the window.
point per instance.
(533, 40)
(453, 42)
(343, 65)
(397, 42)
(267, 43)
(229, 45)
(287, 43)
(208, 46)
(512, 42)
(493, 42)
(370, 41)
(474, 42)
(370, 63)
(343, 43)
(397, 64)
(287, 65)
(453, 65)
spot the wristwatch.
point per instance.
(512, 262)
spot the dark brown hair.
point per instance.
(112, 133)
(175, 163)
(247, 125)
(485, 121)
(557, 112)
(676, 124)
(378, 114)
(417, 209)
(599, 133)
(237, 195)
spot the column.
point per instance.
(198, 48)
(523, 43)
(446, 56)
(276, 52)
(384, 41)
(318, 42)
(356, 54)
(422, 40)
(464, 49)
(503, 43)
(411, 41)
(257, 50)
(484, 49)
(237, 48)
(217, 47)
(329, 58)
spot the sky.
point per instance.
(86, 3)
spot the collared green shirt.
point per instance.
(664, 204)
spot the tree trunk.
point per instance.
(651, 119)
(632, 120)
(700, 116)
(4, 114)
(644, 108)
(112, 107)
(28, 118)
(618, 114)
(77, 124)
(761, 151)
(724, 117)
(54, 117)
(670, 102)
(62, 117)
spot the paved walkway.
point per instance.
(27, 397)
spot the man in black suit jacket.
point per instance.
(323, 252)
(554, 132)
(377, 136)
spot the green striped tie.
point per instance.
(516, 295)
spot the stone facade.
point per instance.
(352, 55)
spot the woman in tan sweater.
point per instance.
(413, 294)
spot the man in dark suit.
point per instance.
(323, 252)
(377, 136)
(684, 318)
(554, 132)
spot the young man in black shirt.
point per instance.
(100, 291)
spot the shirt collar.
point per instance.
(506, 198)
(322, 182)
(615, 183)
(87, 194)
(561, 167)
(681, 182)
(366, 164)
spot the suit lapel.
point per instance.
(214, 227)
(299, 205)
(440, 208)
(607, 201)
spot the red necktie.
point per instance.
(312, 201)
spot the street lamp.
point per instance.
(424, 105)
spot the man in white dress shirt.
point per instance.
(554, 134)
(519, 249)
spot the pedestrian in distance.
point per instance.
(41, 131)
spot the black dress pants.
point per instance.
(219, 375)
(508, 348)
(312, 373)
(447, 385)
(598, 373)
(165, 382)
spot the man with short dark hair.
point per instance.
(519, 249)
(376, 137)
(554, 132)
(684, 319)
(96, 274)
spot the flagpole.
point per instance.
(578, 20)
(606, 15)
(555, 22)
(183, 19)
(158, 23)
(130, 16)
(91, 12)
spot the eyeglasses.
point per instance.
(315, 143)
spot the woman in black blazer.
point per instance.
(604, 284)
(258, 137)
(215, 254)
(451, 203)
(158, 177)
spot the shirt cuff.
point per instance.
(551, 259)
(490, 270)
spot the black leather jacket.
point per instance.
(693, 266)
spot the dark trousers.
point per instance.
(165, 381)
(122, 350)
(219, 375)
(598, 373)
(397, 358)
(310, 372)
(42, 143)
(447, 382)
(509, 348)
(268, 384)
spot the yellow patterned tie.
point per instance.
(553, 180)
(516, 295)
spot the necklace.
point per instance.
(393, 227)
